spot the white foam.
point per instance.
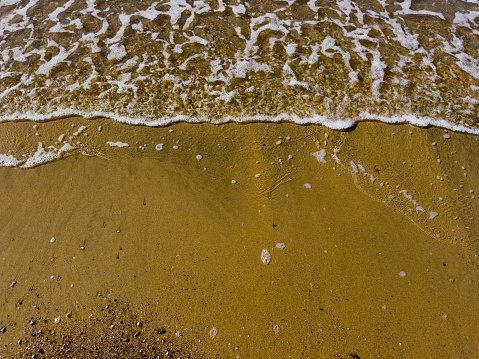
(320, 155)
(45, 68)
(80, 130)
(409, 197)
(118, 144)
(9, 161)
(117, 52)
(355, 168)
(8, 2)
(41, 156)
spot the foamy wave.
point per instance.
(332, 123)
(217, 60)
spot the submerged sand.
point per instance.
(159, 253)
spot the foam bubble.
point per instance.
(320, 155)
(118, 144)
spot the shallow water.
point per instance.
(157, 62)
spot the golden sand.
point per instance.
(160, 252)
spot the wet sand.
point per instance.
(159, 252)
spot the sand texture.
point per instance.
(159, 251)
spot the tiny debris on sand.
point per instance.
(280, 245)
(265, 256)
(277, 329)
(213, 332)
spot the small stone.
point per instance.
(3, 330)
(213, 332)
(68, 315)
(265, 256)
(13, 284)
(277, 329)
(178, 334)
(280, 245)
(433, 215)
(57, 320)
(402, 273)
(199, 157)
(52, 240)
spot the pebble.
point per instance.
(280, 245)
(199, 157)
(213, 332)
(52, 240)
(402, 273)
(277, 329)
(57, 320)
(433, 215)
(159, 147)
(265, 256)
(307, 185)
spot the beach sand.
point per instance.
(159, 252)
